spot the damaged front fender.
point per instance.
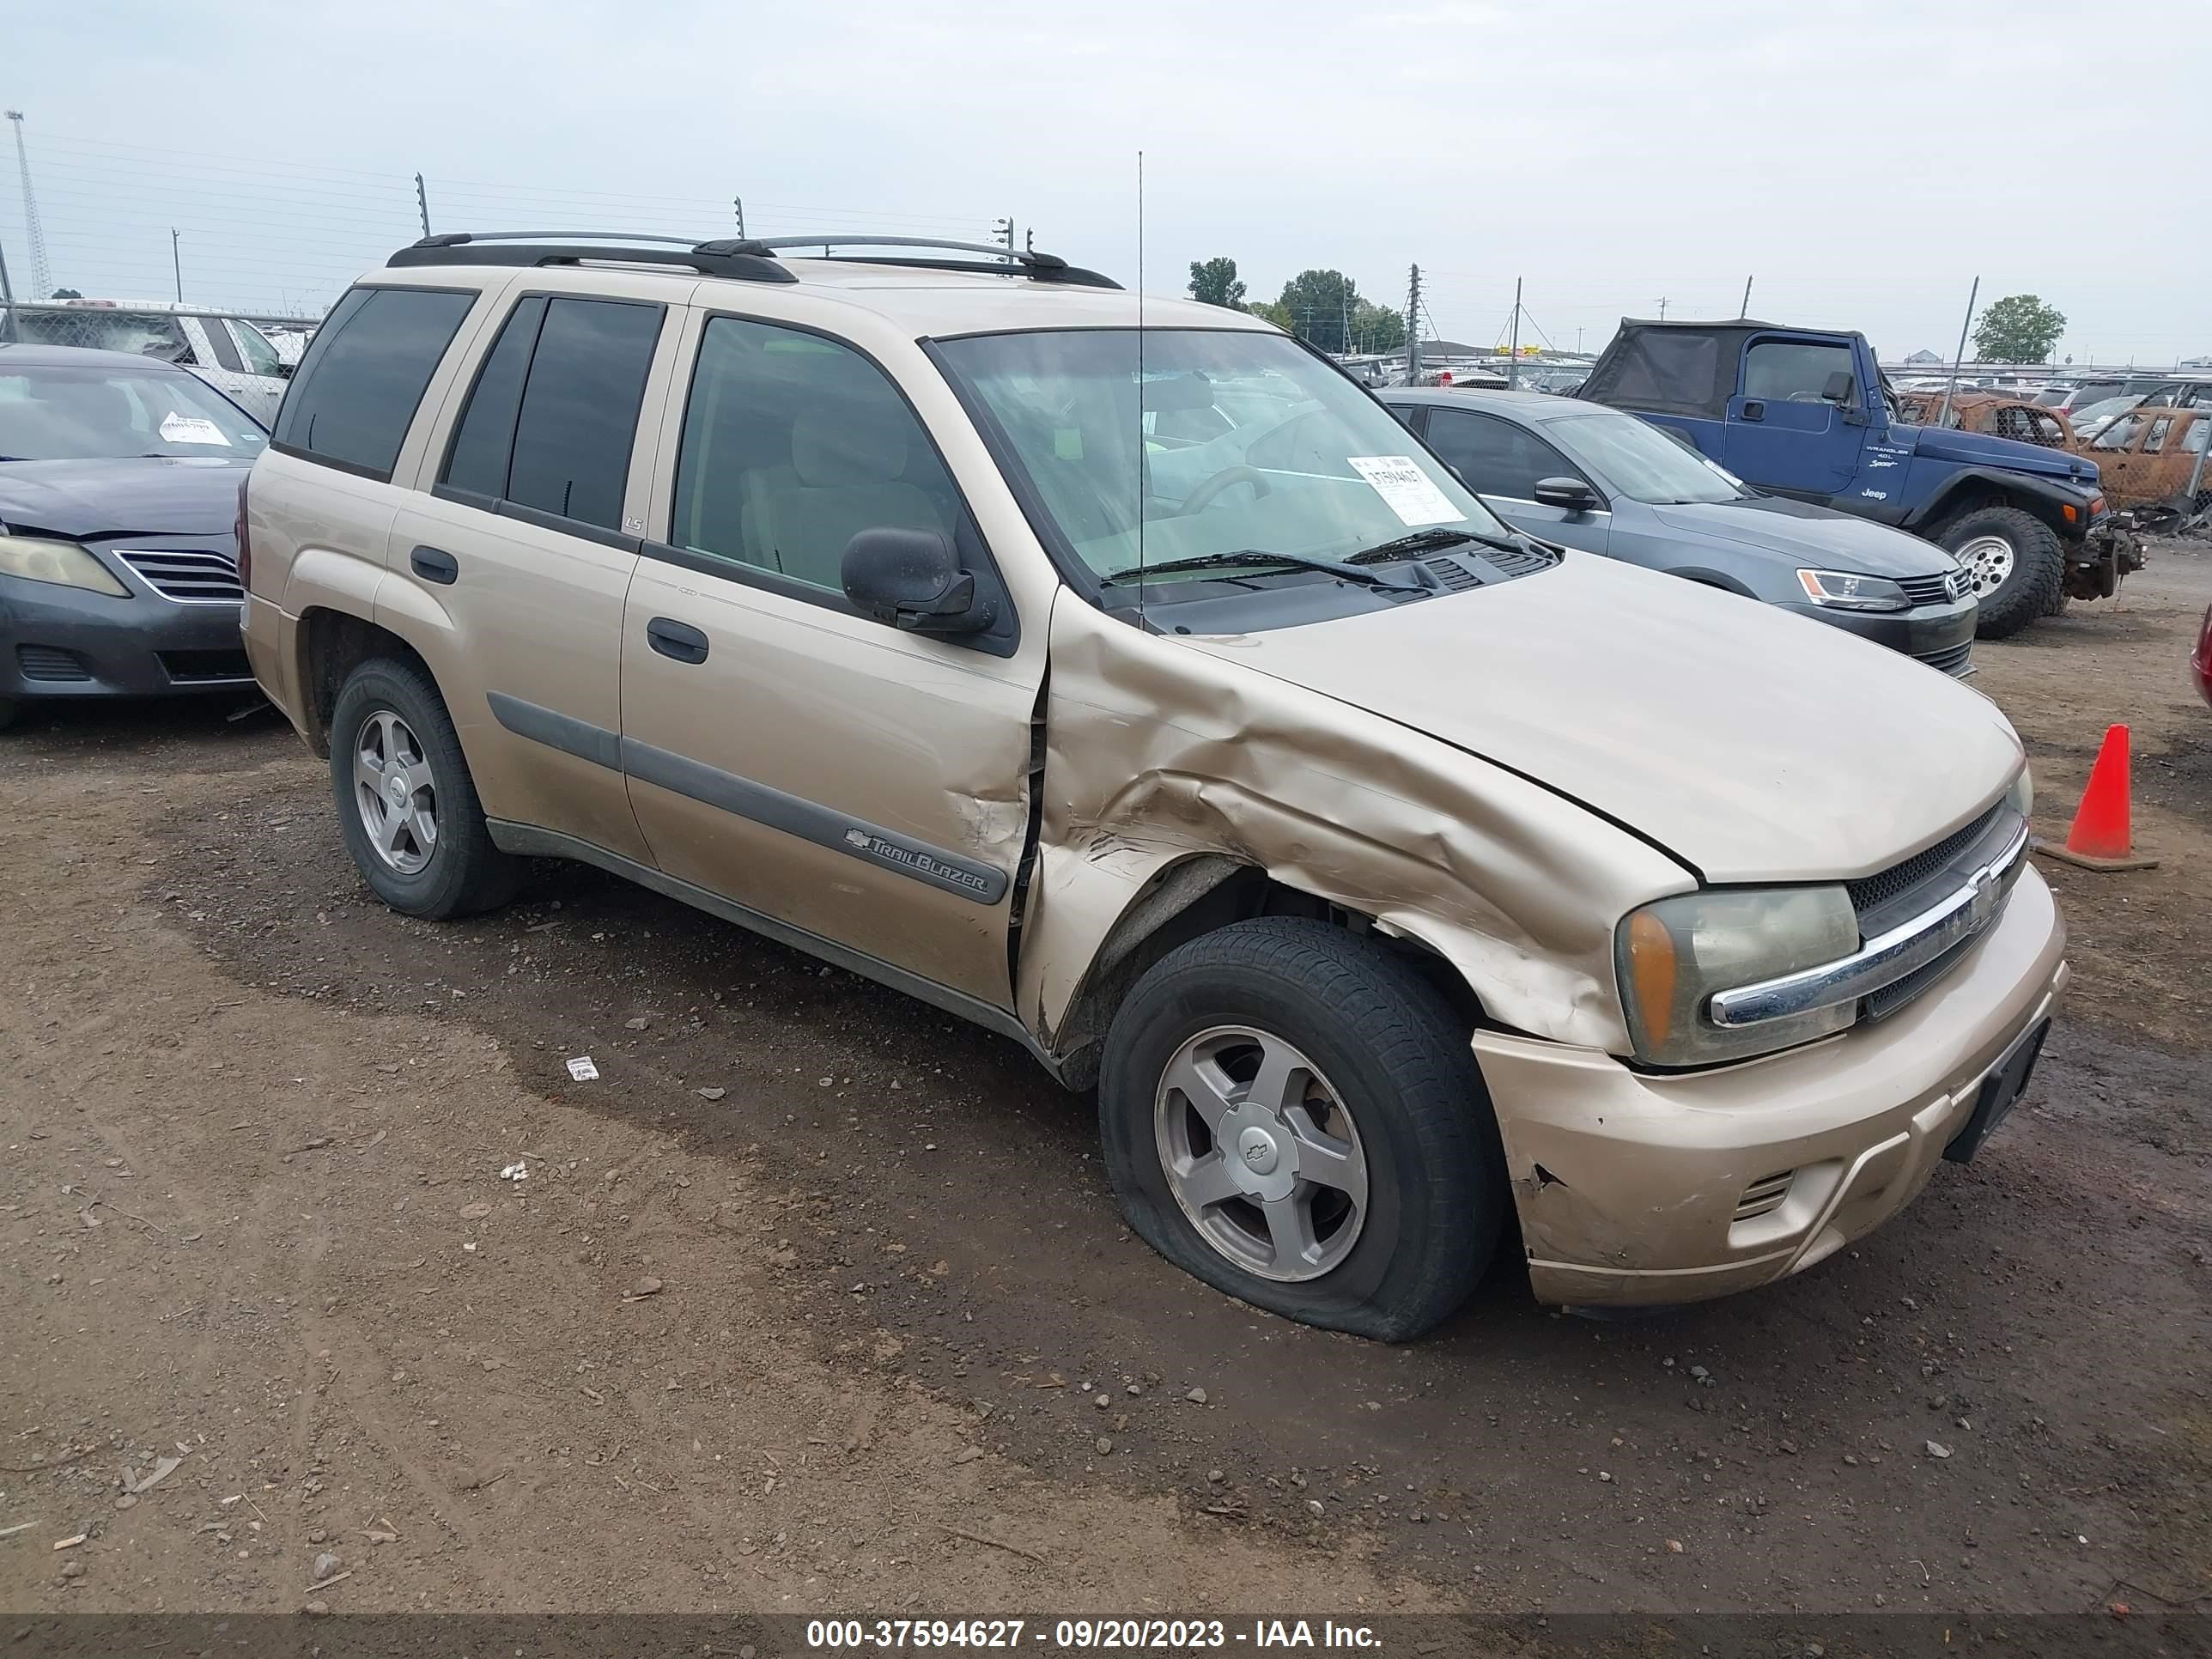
(1168, 765)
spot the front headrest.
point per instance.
(847, 446)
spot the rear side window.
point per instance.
(1495, 457)
(253, 345)
(572, 440)
(552, 420)
(357, 387)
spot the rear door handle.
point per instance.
(434, 564)
(1755, 411)
(674, 639)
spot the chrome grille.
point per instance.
(1880, 891)
(189, 577)
(1764, 1196)
(1928, 589)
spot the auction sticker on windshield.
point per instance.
(1406, 489)
(192, 429)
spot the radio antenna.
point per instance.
(1140, 389)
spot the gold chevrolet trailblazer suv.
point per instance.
(1117, 674)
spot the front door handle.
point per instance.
(674, 639)
(434, 564)
(1755, 411)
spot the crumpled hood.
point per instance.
(195, 496)
(1751, 744)
(1981, 449)
(1820, 537)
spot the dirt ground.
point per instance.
(796, 1307)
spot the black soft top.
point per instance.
(1672, 368)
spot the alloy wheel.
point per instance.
(1988, 560)
(1261, 1153)
(396, 792)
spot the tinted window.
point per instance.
(485, 441)
(224, 347)
(579, 414)
(1495, 457)
(358, 386)
(1787, 371)
(793, 444)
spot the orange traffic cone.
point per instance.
(2102, 838)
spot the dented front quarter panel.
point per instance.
(1159, 754)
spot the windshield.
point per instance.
(2089, 421)
(1249, 444)
(1639, 461)
(54, 414)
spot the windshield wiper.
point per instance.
(1253, 556)
(1421, 540)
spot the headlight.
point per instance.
(1841, 590)
(2022, 795)
(1674, 955)
(34, 558)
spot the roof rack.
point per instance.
(747, 259)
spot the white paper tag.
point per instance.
(191, 430)
(1406, 489)
(581, 1068)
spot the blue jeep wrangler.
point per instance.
(1806, 413)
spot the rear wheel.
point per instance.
(406, 804)
(1292, 1115)
(2015, 561)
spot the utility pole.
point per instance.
(737, 207)
(423, 202)
(1578, 340)
(1513, 347)
(1002, 230)
(1413, 328)
(1943, 416)
(42, 278)
(1028, 239)
(177, 264)
(1743, 310)
(1344, 321)
(1662, 308)
(7, 288)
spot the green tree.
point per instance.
(67, 294)
(1268, 310)
(1215, 282)
(1376, 328)
(1320, 303)
(2018, 329)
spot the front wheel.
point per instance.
(8, 708)
(1292, 1115)
(406, 804)
(2016, 564)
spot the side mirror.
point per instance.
(1568, 495)
(912, 578)
(1839, 388)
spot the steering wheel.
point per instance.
(1203, 495)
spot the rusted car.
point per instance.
(2153, 464)
(1987, 411)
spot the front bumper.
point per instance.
(1634, 1188)
(1941, 635)
(58, 642)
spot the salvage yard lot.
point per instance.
(793, 1309)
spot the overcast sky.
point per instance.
(1862, 162)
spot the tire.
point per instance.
(1375, 1044)
(8, 709)
(2033, 566)
(441, 863)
